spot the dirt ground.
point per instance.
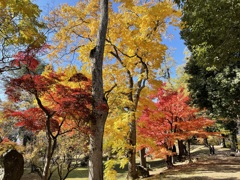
(205, 167)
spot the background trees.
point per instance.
(213, 65)
(210, 32)
(217, 91)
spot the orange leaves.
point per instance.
(34, 84)
(33, 118)
(64, 106)
(173, 119)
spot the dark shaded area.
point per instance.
(13, 164)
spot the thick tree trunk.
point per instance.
(100, 106)
(96, 139)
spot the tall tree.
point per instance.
(217, 90)
(20, 29)
(211, 31)
(100, 106)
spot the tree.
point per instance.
(172, 119)
(211, 31)
(134, 51)
(216, 90)
(215, 85)
(63, 105)
(20, 30)
(99, 105)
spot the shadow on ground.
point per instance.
(220, 166)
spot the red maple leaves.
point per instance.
(28, 57)
(64, 106)
(172, 119)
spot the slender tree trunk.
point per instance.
(181, 150)
(169, 162)
(132, 173)
(143, 161)
(48, 158)
(189, 152)
(224, 143)
(52, 144)
(234, 141)
(100, 106)
(206, 142)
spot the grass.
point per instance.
(220, 166)
(82, 173)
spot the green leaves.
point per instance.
(215, 89)
(211, 31)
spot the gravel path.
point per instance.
(205, 167)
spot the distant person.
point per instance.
(211, 149)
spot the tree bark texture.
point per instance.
(181, 150)
(143, 160)
(132, 173)
(189, 150)
(100, 106)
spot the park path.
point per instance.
(220, 166)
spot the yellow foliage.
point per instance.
(19, 24)
(133, 51)
(109, 172)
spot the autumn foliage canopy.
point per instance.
(64, 99)
(172, 119)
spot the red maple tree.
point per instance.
(59, 109)
(171, 120)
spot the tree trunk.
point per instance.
(169, 162)
(181, 150)
(189, 152)
(48, 158)
(52, 144)
(132, 173)
(142, 154)
(206, 142)
(96, 141)
(234, 143)
(223, 142)
(100, 106)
